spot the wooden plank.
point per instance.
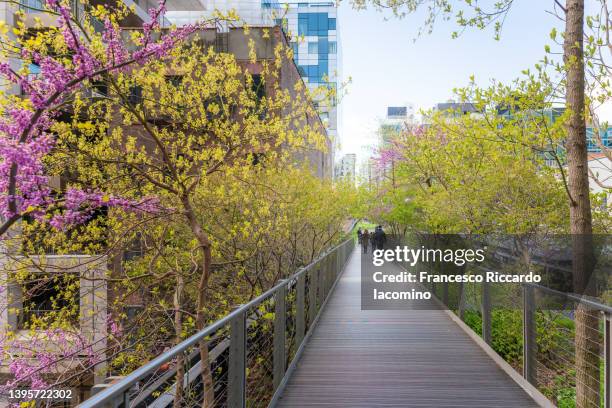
(396, 358)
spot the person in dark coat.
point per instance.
(379, 238)
(365, 241)
(359, 234)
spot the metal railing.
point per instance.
(240, 360)
(534, 329)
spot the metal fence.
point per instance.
(534, 329)
(241, 360)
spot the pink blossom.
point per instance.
(25, 137)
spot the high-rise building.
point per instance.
(313, 29)
(397, 118)
(345, 168)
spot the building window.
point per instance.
(258, 86)
(135, 96)
(34, 69)
(302, 26)
(315, 24)
(332, 47)
(49, 297)
(174, 80)
(313, 48)
(31, 6)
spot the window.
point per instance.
(34, 71)
(49, 296)
(302, 26)
(258, 86)
(313, 72)
(332, 47)
(323, 48)
(323, 69)
(282, 22)
(135, 96)
(313, 48)
(301, 5)
(331, 24)
(31, 6)
(100, 88)
(322, 23)
(174, 80)
(294, 47)
(315, 24)
(135, 249)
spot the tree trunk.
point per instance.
(204, 273)
(586, 341)
(178, 326)
(207, 380)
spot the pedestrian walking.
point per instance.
(379, 238)
(365, 241)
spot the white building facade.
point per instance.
(345, 168)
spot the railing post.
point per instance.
(607, 360)
(529, 335)
(321, 280)
(280, 323)
(236, 387)
(126, 397)
(300, 304)
(328, 272)
(445, 293)
(486, 312)
(312, 295)
(338, 258)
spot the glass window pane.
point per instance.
(332, 47)
(331, 24)
(313, 25)
(302, 26)
(313, 48)
(34, 69)
(323, 46)
(322, 23)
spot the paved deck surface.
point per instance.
(406, 358)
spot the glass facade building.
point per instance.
(605, 136)
(313, 29)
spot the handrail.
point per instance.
(118, 389)
(592, 303)
(580, 299)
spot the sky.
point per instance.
(388, 68)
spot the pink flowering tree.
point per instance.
(80, 56)
(47, 70)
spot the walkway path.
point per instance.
(399, 358)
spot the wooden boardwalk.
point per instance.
(400, 358)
